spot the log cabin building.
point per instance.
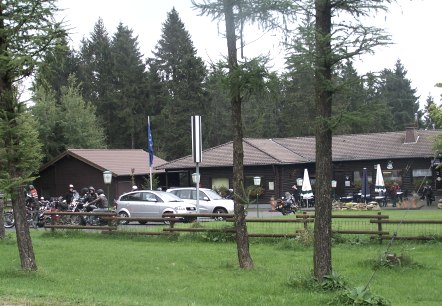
(406, 157)
(85, 167)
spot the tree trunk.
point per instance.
(2, 227)
(10, 111)
(242, 238)
(24, 241)
(322, 258)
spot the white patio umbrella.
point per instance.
(380, 185)
(306, 190)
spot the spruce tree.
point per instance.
(46, 111)
(401, 98)
(58, 64)
(27, 31)
(180, 73)
(78, 121)
(96, 74)
(129, 99)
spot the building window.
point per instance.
(392, 176)
(249, 181)
(218, 182)
(357, 176)
(421, 177)
(421, 173)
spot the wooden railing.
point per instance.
(62, 221)
(306, 219)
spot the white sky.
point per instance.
(414, 27)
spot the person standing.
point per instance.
(295, 194)
(70, 195)
(32, 197)
(394, 190)
(428, 194)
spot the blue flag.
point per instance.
(149, 144)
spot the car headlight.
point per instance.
(180, 208)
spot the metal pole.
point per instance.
(257, 209)
(108, 198)
(198, 189)
(150, 166)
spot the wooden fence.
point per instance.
(301, 222)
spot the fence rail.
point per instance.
(376, 226)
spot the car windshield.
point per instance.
(170, 197)
(213, 195)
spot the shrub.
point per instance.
(329, 282)
(358, 296)
(221, 235)
(306, 238)
(392, 260)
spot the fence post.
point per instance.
(53, 223)
(305, 220)
(110, 223)
(380, 227)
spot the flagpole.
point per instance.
(150, 147)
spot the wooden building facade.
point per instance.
(84, 168)
(405, 157)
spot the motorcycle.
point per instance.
(34, 214)
(47, 206)
(8, 219)
(286, 205)
(81, 205)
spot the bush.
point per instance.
(392, 260)
(305, 238)
(358, 296)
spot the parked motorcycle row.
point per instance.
(34, 213)
(37, 217)
(36, 209)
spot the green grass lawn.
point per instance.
(95, 269)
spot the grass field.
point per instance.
(78, 268)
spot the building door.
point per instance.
(339, 176)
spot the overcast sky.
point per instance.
(414, 26)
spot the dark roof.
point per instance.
(120, 162)
(301, 150)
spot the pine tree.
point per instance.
(96, 75)
(180, 73)
(68, 123)
(355, 110)
(129, 98)
(57, 66)
(78, 121)
(428, 121)
(217, 124)
(397, 92)
(27, 31)
(46, 111)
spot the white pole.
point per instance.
(198, 189)
(150, 166)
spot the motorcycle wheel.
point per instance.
(76, 220)
(8, 219)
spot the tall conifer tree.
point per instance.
(95, 75)
(129, 92)
(27, 31)
(397, 92)
(180, 73)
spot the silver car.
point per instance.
(151, 204)
(209, 200)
